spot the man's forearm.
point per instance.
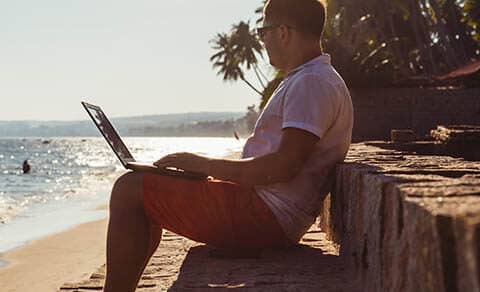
(263, 170)
(281, 165)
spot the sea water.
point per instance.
(71, 177)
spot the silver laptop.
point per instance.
(122, 152)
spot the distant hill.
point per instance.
(152, 125)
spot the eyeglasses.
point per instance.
(262, 31)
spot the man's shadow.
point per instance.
(300, 268)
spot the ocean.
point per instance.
(71, 179)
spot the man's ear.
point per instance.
(285, 34)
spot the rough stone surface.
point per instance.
(461, 141)
(406, 222)
(183, 265)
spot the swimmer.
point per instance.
(26, 167)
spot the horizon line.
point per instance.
(125, 117)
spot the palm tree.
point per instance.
(237, 51)
(247, 47)
(259, 11)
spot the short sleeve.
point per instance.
(309, 104)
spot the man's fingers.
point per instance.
(162, 162)
(173, 160)
(167, 161)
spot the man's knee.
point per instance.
(127, 190)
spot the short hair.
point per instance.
(307, 16)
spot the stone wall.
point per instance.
(377, 111)
(406, 222)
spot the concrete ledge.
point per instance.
(406, 222)
(183, 265)
(378, 110)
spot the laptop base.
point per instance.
(145, 167)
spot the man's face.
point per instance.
(271, 40)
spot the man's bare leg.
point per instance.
(131, 240)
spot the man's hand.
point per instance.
(186, 161)
(279, 166)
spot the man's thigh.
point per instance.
(216, 212)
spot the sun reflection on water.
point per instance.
(72, 169)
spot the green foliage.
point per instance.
(237, 52)
(374, 43)
(386, 42)
(471, 10)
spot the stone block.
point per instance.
(407, 222)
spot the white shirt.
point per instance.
(314, 98)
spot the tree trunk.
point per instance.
(250, 85)
(255, 69)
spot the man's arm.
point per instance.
(279, 166)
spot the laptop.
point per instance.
(120, 149)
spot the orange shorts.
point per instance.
(220, 213)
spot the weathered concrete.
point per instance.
(378, 110)
(183, 265)
(463, 149)
(407, 222)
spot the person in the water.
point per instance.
(26, 167)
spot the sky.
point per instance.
(132, 58)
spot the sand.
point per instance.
(47, 263)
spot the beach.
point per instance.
(54, 220)
(45, 264)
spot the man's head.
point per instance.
(290, 25)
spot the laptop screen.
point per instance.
(110, 134)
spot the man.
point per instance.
(271, 196)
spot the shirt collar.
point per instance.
(322, 59)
